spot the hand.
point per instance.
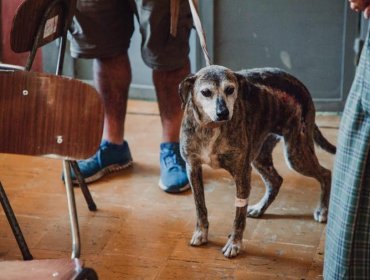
(361, 5)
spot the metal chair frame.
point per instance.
(68, 164)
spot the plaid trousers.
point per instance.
(347, 248)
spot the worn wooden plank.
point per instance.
(141, 232)
(43, 114)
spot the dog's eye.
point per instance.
(206, 92)
(229, 90)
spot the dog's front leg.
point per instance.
(200, 235)
(242, 181)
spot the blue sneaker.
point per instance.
(108, 159)
(173, 171)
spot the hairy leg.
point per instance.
(112, 77)
(166, 84)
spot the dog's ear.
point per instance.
(185, 88)
(246, 88)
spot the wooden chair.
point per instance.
(51, 116)
(35, 24)
(47, 115)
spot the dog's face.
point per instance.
(213, 92)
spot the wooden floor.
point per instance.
(140, 232)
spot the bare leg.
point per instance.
(166, 84)
(112, 78)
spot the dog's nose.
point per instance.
(221, 110)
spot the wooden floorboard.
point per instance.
(140, 232)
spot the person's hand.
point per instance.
(361, 5)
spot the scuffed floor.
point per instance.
(140, 232)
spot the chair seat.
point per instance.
(40, 269)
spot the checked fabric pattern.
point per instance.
(347, 251)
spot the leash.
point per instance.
(200, 31)
(175, 8)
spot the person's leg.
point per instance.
(166, 85)
(173, 177)
(101, 30)
(112, 77)
(168, 57)
(347, 232)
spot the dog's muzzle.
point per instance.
(222, 113)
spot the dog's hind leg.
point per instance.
(300, 153)
(272, 180)
(200, 235)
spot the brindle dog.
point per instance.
(233, 120)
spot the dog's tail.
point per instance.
(322, 142)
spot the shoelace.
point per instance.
(94, 158)
(172, 161)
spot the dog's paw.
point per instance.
(321, 214)
(254, 211)
(199, 237)
(232, 248)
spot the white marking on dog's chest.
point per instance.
(206, 154)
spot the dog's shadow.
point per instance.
(271, 216)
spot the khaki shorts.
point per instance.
(103, 28)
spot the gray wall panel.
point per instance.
(311, 39)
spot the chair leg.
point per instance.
(14, 225)
(87, 273)
(89, 200)
(75, 232)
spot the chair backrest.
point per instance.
(48, 115)
(38, 22)
(49, 17)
